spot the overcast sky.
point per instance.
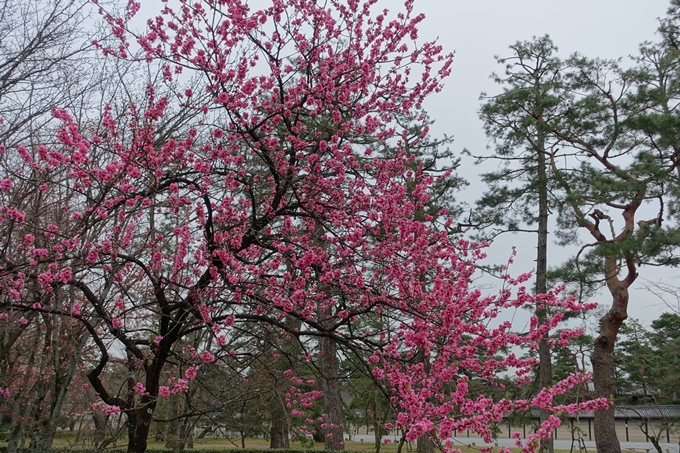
(479, 30)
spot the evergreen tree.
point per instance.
(610, 144)
(646, 361)
(521, 193)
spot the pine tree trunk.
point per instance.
(330, 372)
(174, 435)
(99, 420)
(279, 429)
(278, 433)
(424, 444)
(545, 374)
(332, 401)
(544, 358)
(376, 436)
(604, 426)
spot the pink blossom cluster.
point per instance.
(140, 389)
(176, 386)
(107, 409)
(191, 372)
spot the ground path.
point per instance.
(559, 444)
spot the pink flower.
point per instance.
(222, 98)
(190, 373)
(112, 409)
(5, 184)
(207, 357)
(15, 215)
(139, 388)
(181, 385)
(92, 256)
(163, 391)
(23, 321)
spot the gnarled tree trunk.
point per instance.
(606, 440)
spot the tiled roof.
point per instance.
(638, 412)
(629, 412)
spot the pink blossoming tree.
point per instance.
(260, 198)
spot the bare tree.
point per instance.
(45, 61)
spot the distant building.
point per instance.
(633, 424)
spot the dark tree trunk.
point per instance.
(402, 441)
(139, 423)
(317, 435)
(545, 374)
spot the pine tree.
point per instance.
(521, 193)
